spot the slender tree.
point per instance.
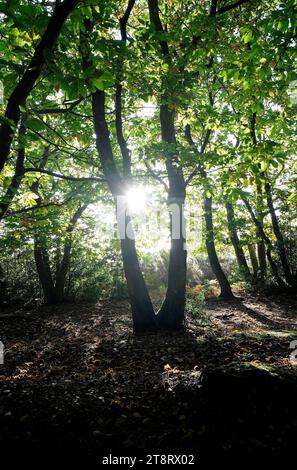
(226, 291)
(239, 253)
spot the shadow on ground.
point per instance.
(78, 385)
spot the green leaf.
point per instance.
(264, 165)
(105, 80)
(35, 124)
(247, 37)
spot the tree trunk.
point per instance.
(63, 271)
(143, 314)
(226, 291)
(142, 309)
(3, 286)
(254, 259)
(19, 171)
(44, 273)
(261, 252)
(239, 253)
(172, 311)
(280, 239)
(261, 244)
(64, 265)
(261, 247)
(274, 269)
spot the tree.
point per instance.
(19, 95)
(221, 131)
(53, 285)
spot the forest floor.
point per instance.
(77, 384)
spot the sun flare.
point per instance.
(136, 199)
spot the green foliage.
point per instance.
(223, 70)
(194, 306)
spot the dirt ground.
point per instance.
(77, 384)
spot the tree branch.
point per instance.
(60, 110)
(64, 177)
(232, 6)
(24, 87)
(156, 176)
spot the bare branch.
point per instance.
(156, 176)
(65, 177)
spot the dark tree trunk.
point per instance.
(261, 252)
(18, 174)
(274, 269)
(120, 135)
(41, 253)
(226, 291)
(64, 265)
(141, 305)
(3, 286)
(171, 314)
(44, 272)
(289, 277)
(62, 272)
(143, 314)
(54, 289)
(53, 286)
(239, 253)
(24, 87)
(261, 244)
(142, 310)
(261, 247)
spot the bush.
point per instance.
(194, 305)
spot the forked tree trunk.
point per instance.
(226, 291)
(143, 314)
(53, 286)
(239, 253)
(64, 266)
